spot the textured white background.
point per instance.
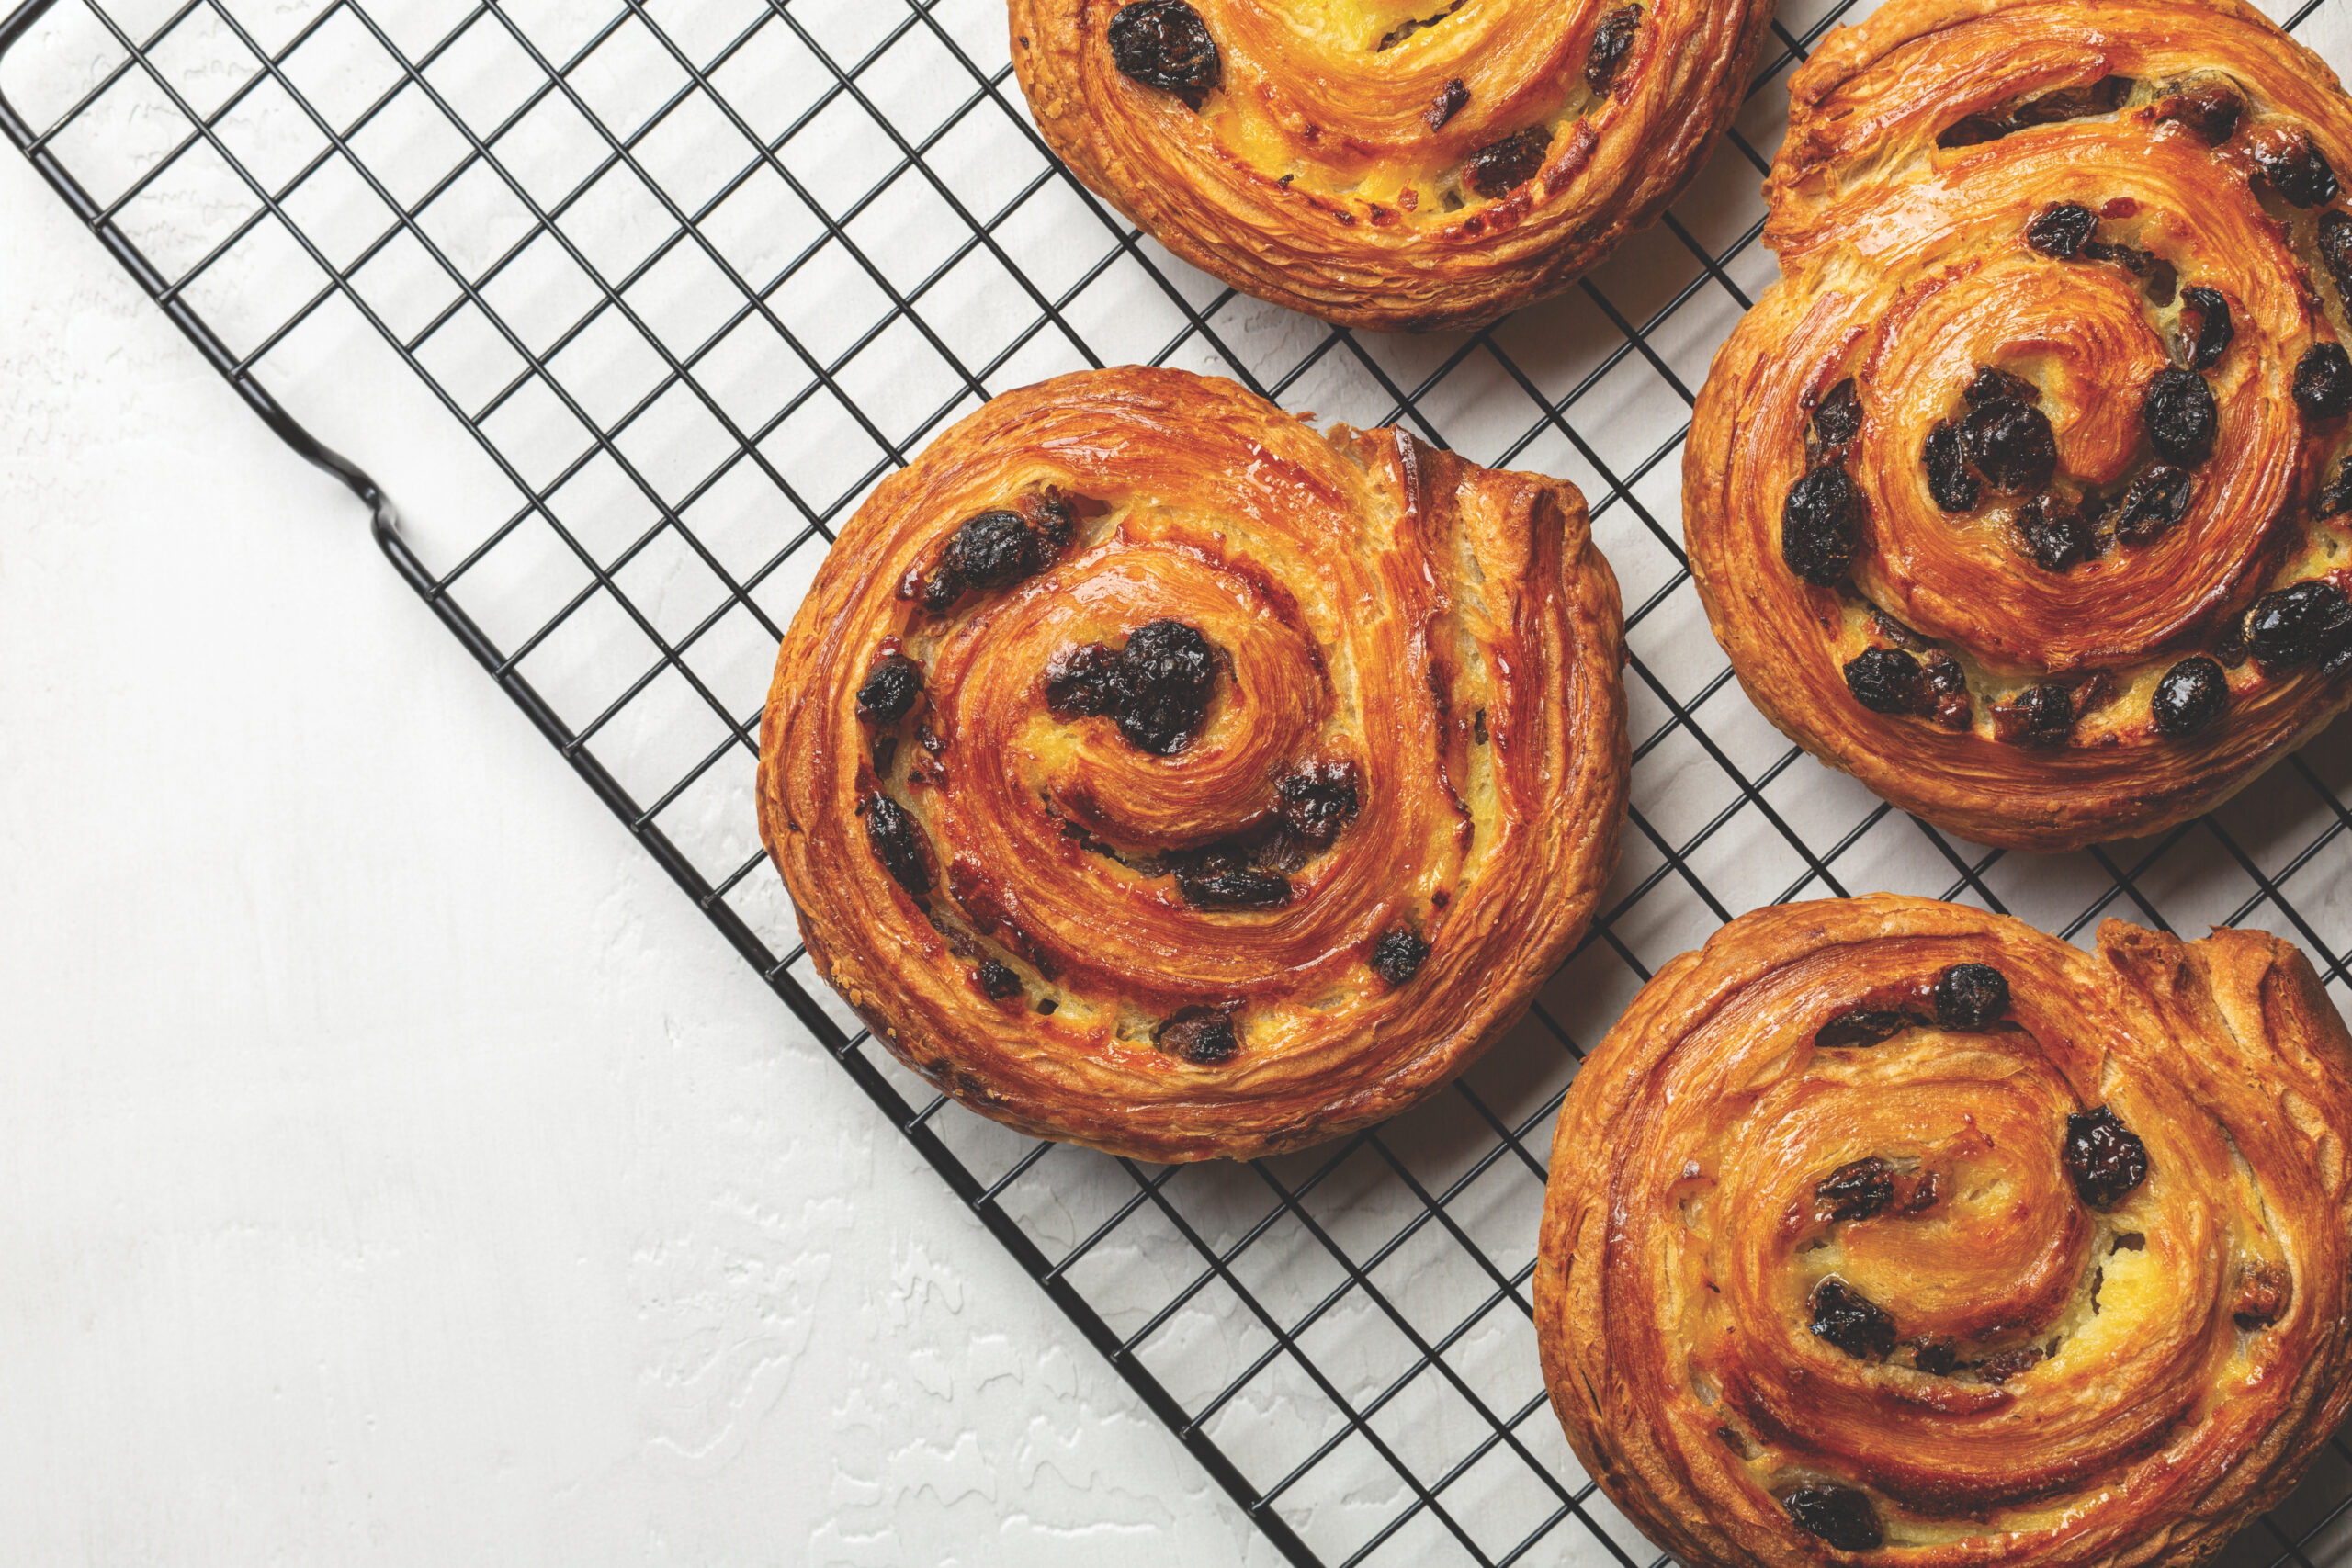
(393, 1168)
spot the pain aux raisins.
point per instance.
(1838, 1515)
(1156, 688)
(2189, 698)
(1971, 996)
(2106, 1159)
(1821, 525)
(1610, 39)
(2304, 623)
(1838, 421)
(1888, 680)
(2155, 501)
(1851, 1321)
(995, 550)
(2204, 347)
(1500, 167)
(897, 842)
(1858, 1191)
(2292, 164)
(2324, 381)
(1397, 956)
(1164, 44)
(1204, 1036)
(2177, 409)
(891, 690)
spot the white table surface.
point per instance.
(397, 1169)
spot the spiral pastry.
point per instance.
(1902, 1230)
(1392, 163)
(1154, 773)
(2021, 497)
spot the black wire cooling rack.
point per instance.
(631, 307)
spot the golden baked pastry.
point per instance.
(1393, 163)
(1887, 1229)
(2022, 496)
(1154, 773)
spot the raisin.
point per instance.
(1857, 1192)
(1948, 481)
(1164, 44)
(2038, 715)
(1320, 800)
(1167, 672)
(1969, 996)
(998, 980)
(2157, 500)
(1864, 1026)
(2178, 409)
(1838, 1515)
(2054, 534)
(2106, 1159)
(2190, 696)
(1988, 384)
(1397, 956)
(2159, 276)
(1851, 1319)
(2011, 444)
(1887, 680)
(1935, 1356)
(897, 842)
(1451, 101)
(1821, 525)
(1202, 1035)
(2060, 230)
(2214, 329)
(2324, 381)
(2335, 249)
(1501, 168)
(2336, 498)
(1839, 420)
(994, 549)
(2264, 1290)
(2296, 168)
(891, 690)
(1083, 681)
(1923, 1195)
(1610, 42)
(2298, 624)
(2211, 111)
(1238, 887)
(2010, 1363)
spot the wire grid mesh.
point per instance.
(637, 305)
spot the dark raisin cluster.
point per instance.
(2211, 110)
(1610, 39)
(1838, 1515)
(2303, 623)
(1397, 956)
(2204, 348)
(2177, 409)
(2324, 381)
(1971, 996)
(1164, 44)
(1202, 1035)
(2038, 715)
(1155, 689)
(2102, 96)
(997, 550)
(2292, 164)
(2189, 698)
(897, 843)
(1319, 800)
(1451, 101)
(1865, 1026)
(1851, 1321)
(1222, 877)
(1821, 525)
(891, 690)
(1837, 421)
(1500, 167)
(1858, 1191)
(998, 980)
(2153, 502)
(2106, 1159)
